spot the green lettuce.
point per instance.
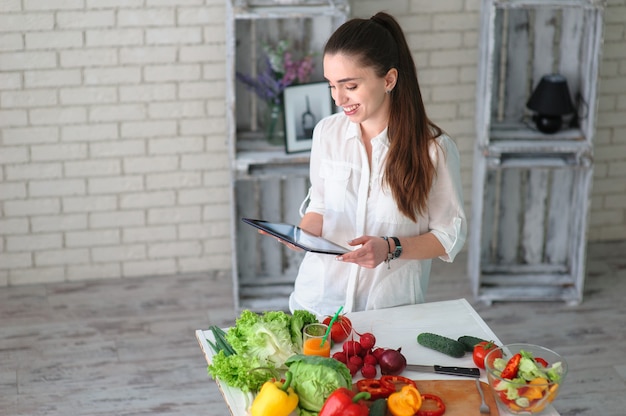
(238, 371)
(265, 337)
(262, 343)
(528, 368)
(555, 372)
(315, 378)
(299, 320)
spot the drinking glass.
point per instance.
(312, 337)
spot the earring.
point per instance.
(388, 91)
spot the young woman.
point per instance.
(385, 180)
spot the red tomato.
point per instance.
(480, 351)
(541, 361)
(341, 329)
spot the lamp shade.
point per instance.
(551, 97)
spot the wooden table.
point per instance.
(399, 327)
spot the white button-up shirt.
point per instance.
(350, 196)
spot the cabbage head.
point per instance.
(315, 378)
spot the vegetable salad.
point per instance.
(526, 383)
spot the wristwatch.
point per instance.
(398, 251)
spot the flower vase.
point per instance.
(275, 125)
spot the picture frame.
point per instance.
(304, 106)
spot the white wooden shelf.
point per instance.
(531, 190)
(549, 3)
(268, 183)
(283, 11)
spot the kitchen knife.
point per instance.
(452, 371)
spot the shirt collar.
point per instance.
(353, 132)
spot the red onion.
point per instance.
(392, 362)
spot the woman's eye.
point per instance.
(351, 87)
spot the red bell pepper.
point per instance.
(440, 407)
(344, 402)
(391, 382)
(376, 388)
(511, 368)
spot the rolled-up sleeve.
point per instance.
(447, 219)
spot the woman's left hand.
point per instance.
(372, 252)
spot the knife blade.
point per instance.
(438, 369)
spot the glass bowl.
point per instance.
(533, 386)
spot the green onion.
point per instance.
(221, 344)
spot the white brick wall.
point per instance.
(608, 205)
(113, 161)
(110, 126)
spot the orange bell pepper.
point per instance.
(405, 402)
(535, 389)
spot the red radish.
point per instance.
(341, 357)
(378, 352)
(370, 359)
(367, 340)
(356, 360)
(353, 368)
(368, 371)
(352, 348)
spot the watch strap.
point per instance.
(398, 251)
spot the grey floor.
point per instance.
(127, 347)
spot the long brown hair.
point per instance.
(379, 43)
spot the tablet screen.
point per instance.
(297, 236)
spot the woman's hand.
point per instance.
(372, 252)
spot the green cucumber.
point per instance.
(470, 342)
(378, 408)
(445, 345)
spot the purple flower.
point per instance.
(279, 71)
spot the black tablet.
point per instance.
(298, 237)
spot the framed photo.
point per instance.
(305, 105)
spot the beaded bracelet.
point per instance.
(397, 252)
(389, 254)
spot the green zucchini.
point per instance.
(378, 408)
(445, 345)
(470, 342)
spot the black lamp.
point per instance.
(550, 101)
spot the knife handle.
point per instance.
(458, 371)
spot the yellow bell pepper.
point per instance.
(275, 399)
(405, 402)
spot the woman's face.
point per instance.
(358, 90)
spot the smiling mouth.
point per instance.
(350, 109)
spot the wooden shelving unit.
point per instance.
(267, 182)
(531, 190)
